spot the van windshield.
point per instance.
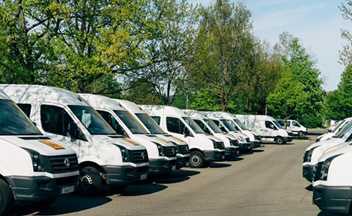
(13, 121)
(277, 124)
(345, 129)
(91, 120)
(131, 123)
(149, 123)
(213, 126)
(228, 125)
(193, 125)
(240, 124)
(338, 126)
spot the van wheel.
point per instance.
(5, 197)
(300, 134)
(90, 181)
(196, 160)
(279, 140)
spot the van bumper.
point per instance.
(308, 172)
(41, 188)
(161, 166)
(288, 139)
(123, 175)
(182, 161)
(231, 152)
(255, 144)
(333, 198)
(245, 147)
(214, 156)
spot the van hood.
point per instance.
(339, 149)
(156, 139)
(211, 137)
(41, 144)
(172, 139)
(118, 140)
(326, 145)
(316, 144)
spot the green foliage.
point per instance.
(299, 94)
(141, 92)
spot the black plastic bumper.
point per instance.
(333, 198)
(308, 172)
(161, 166)
(214, 156)
(288, 139)
(122, 175)
(37, 189)
(255, 144)
(231, 152)
(182, 162)
(245, 147)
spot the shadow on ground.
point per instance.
(219, 165)
(328, 214)
(64, 204)
(309, 188)
(176, 176)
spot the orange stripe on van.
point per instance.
(164, 140)
(178, 139)
(130, 141)
(52, 145)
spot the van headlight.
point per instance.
(233, 142)
(241, 138)
(318, 139)
(124, 153)
(37, 160)
(308, 155)
(325, 167)
(160, 149)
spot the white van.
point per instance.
(314, 151)
(103, 156)
(267, 127)
(239, 126)
(209, 127)
(162, 153)
(204, 148)
(294, 126)
(332, 184)
(33, 168)
(142, 117)
(225, 125)
(338, 127)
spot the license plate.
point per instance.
(187, 163)
(174, 167)
(223, 157)
(67, 190)
(143, 177)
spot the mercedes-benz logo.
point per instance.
(143, 155)
(173, 151)
(67, 163)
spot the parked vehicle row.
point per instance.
(81, 142)
(326, 164)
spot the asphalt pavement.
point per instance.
(268, 182)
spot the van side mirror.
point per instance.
(74, 132)
(186, 132)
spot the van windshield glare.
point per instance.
(240, 124)
(228, 125)
(193, 125)
(13, 121)
(277, 124)
(149, 123)
(344, 130)
(338, 126)
(131, 123)
(91, 120)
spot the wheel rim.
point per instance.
(86, 181)
(279, 141)
(300, 134)
(195, 160)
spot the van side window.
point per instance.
(294, 123)
(156, 119)
(26, 108)
(289, 123)
(55, 120)
(269, 124)
(175, 125)
(110, 119)
(203, 126)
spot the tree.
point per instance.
(304, 73)
(346, 52)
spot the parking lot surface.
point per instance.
(266, 183)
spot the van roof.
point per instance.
(163, 110)
(39, 93)
(102, 102)
(3, 96)
(195, 114)
(130, 106)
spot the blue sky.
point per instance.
(316, 22)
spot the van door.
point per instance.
(270, 129)
(177, 128)
(57, 123)
(289, 125)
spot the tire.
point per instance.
(196, 160)
(90, 182)
(300, 134)
(279, 140)
(5, 197)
